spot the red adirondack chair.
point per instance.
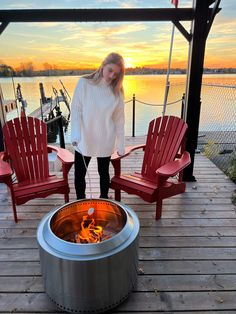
(163, 162)
(26, 155)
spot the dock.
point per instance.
(186, 259)
(44, 110)
(48, 104)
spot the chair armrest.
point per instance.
(128, 150)
(174, 167)
(65, 156)
(5, 168)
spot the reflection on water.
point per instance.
(147, 88)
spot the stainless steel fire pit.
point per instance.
(89, 277)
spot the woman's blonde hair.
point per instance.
(117, 83)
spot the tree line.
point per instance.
(27, 69)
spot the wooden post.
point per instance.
(2, 120)
(42, 93)
(182, 106)
(1, 139)
(60, 127)
(133, 121)
(194, 80)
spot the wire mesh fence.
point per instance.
(217, 128)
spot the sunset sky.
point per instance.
(84, 45)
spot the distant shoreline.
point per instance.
(127, 74)
(29, 72)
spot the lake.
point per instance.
(217, 109)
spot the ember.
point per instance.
(90, 233)
(88, 222)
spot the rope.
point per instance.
(149, 104)
(126, 102)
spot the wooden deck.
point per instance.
(187, 259)
(44, 110)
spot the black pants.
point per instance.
(80, 172)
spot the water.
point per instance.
(217, 110)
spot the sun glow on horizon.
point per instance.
(130, 62)
(73, 46)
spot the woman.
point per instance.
(97, 121)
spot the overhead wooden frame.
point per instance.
(201, 14)
(97, 15)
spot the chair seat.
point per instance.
(28, 189)
(136, 184)
(139, 179)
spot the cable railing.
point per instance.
(158, 105)
(134, 100)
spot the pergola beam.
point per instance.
(3, 25)
(97, 15)
(214, 11)
(182, 30)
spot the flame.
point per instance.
(90, 233)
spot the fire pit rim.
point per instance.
(55, 244)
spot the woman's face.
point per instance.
(110, 72)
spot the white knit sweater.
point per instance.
(97, 119)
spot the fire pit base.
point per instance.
(92, 277)
(102, 310)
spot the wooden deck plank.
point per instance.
(35, 211)
(168, 222)
(166, 312)
(186, 259)
(146, 232)
(228, 253)
(146, 283)
(148, 213)
(157, 301)
(169, 267)
(150, 242)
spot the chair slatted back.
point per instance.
(26, 144)
(164, 138)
